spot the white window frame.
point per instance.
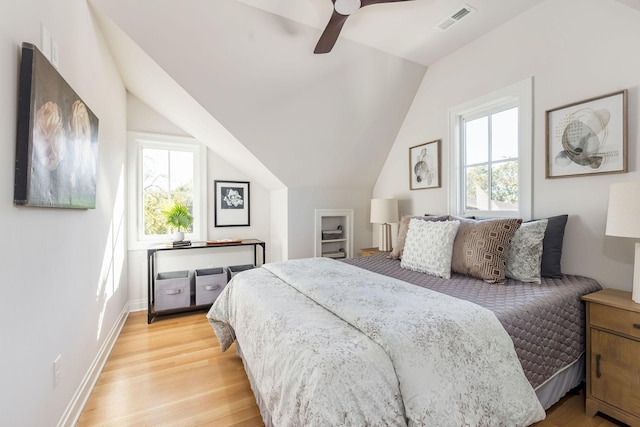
(517, 95)
(138, 141)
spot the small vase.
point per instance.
(178, 236)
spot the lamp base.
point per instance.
(635, 293)
(385, 238)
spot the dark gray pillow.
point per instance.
(552, 246)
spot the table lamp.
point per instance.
(384, 212)
(623, 220)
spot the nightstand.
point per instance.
(371, 251)
(613, 355)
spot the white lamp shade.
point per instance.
(623, 214)
(384, 211)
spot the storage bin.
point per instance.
(331, 234)
(172, 290)
(235, 269)
(209, 283)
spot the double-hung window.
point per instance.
(165, 170)
(491, 154)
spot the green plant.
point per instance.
(178, 216)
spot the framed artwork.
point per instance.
(587, 137)
(231, 200)
(57, 139)
(424, 165)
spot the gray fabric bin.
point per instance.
(209, 283)
(235, 269)
(172, 290)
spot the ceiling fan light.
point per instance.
(347, 7)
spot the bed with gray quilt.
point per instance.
(546, 321)
(358, 343)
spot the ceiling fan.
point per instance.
(342, 9)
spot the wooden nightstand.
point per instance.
(613, 355)
(371, 251)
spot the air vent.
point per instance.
(455, 17)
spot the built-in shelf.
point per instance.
(334, 223)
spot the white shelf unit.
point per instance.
(329, 221)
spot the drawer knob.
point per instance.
(636, 325)
(598, 373)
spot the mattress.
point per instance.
(545, 321)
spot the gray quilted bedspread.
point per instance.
(545, 321)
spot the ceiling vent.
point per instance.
(455, 17)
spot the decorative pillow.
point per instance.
(396, 253)
(552, 246)
(525, 252)
(428, 247)
(481, 248)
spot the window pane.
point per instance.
(477, 184)
(154, 221)
(167, 178)
(504, 135)
(181, 171)
(504, 186)
(155, 165)
(477, 141)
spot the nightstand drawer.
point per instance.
(615, 371)
(616, 319)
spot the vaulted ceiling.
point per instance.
(241, 76)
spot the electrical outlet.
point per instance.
(57, 371)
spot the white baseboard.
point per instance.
(74, 409)
(138, 305)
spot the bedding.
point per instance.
(429, 246)
(525, 252)
(481, 248)
(546, 321)
(331, 344)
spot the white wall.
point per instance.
(64, 271)
(142, 118)
(303, 203)
(574, 49)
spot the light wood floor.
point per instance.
(172, 373)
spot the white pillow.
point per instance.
(429, 246)
(525, 252)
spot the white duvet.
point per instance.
(331, 344)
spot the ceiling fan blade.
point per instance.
(331, 32)
(370, 2)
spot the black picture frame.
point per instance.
(56, 139)
(231, 201)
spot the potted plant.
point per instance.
(179, 219)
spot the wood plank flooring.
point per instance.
(172, 373)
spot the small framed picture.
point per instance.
(231, 202)
(587, 137)
(424, 165)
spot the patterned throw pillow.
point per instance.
(525, 252)
(429, 246)
(481, 248)
(396, 253)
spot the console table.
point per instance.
(151, 270)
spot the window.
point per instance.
(491, 154)
(165, 170)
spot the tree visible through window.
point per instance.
(491, 161)
(491, 153)
(167, 177)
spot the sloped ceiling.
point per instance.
(313, 121)
(278, 112)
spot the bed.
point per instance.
(328, 342)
